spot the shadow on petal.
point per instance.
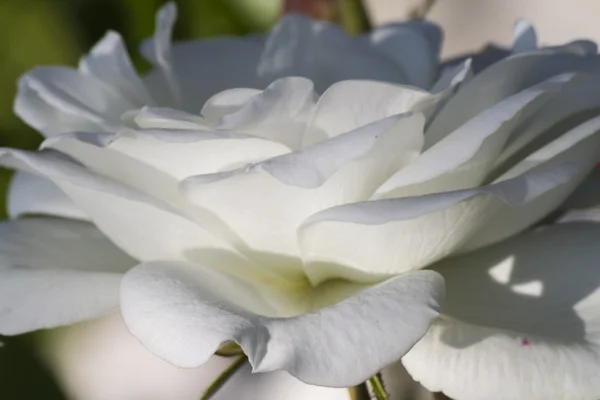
(542, 283)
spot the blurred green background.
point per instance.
(58, 32)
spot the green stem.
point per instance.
(223, 378)
(360, 392)
(353, 16)
(229, 349)
(377, 388)
(421, 10)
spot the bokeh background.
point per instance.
(46, 32)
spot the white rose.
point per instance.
(300, 225)
(128, 175)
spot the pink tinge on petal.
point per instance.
(525, 342)
(319, 9)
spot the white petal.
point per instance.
(198, 69)
(56, 243)
(165, 118)
(523, 320)
(209, 66)
(464, 158)
(165, 20)
(55, 272)
(30, 194)
(279, 113)
(453, 76)
(101, 360)
(581, 46)
(45, 117)
(109, 62)
(580, 145)
(91, 150)
(481, 59)
(76, 94)
(577, 96)
(206, 238)
(322, 52)
(227, 102)
(591, 214)
(323, 348)
(143, 158)
(503, 79)
(351, 104)
(430, 31)
(264, 203)
(525, 38)
(450, 81)
(410, 50)
(38, 299)
(183, 154)
(142, 226)
(289, 49)
(370, 240)
(587, 193)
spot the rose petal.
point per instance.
(56, 243)
(566, 110)
(279, 113)
(464, 157)
(410, 49)
(587, 193)
(523, 320)
(371, 240)
(161, 301)
(39, 299)
(74, 93)
(154, 160)
(144, 227)
(351, 104)
(322, 52)
(453, 76)
(55, 272)
(165, 118)
(209, 66)
(165, 20)
(110, 62)
(591, 214)
(524, 37)
(91, 150)
(505, 78)
(66, 96)
(183, 154)
(580, 145)
(227, 102)
(30, 194)
(265, 202)
(197, 69)
(45, 117)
